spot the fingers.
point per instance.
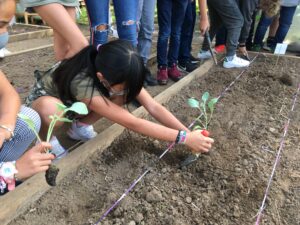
(41, 147)
(42, 169)
(44, 163)
(47, 156)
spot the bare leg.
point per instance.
(68, 39)
(274, 26)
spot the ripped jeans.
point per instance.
(126, 15)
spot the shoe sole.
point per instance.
(162, 82)
(229, 67)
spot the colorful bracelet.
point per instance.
(7, 176)
(181, 137)
(9, 130)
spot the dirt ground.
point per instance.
(223, 187)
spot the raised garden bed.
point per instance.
(21, 32)
(224, 187)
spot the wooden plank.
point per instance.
(17, 201)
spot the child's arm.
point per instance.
(115, 113)
(204, 23)
(9, 107)
(159, 112)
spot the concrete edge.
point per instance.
(16, 202)
(34, 25)
(30, 50)
(31, 35)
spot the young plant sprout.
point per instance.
(77, 107)
(202, 122)
(206, 108)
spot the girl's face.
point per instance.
(116, 90)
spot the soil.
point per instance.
(22, 28)
(223, 187)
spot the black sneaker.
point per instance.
(187, 67)
(149, 80)
(194, 59)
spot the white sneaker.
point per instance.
(204, 55)
(82, 132)
(4, 52)
(236, 62)
(58, 150)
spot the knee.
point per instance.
(164, 34)
(22, 130)
(33, 116)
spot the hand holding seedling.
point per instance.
(198, 142)
(42, 160)
(34, 161)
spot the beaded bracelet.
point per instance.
(181, 137)
(9, 130)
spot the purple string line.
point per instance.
(261, 209)
(165, 152)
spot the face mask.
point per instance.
(113, 93)
(3, 39)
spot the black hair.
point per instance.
(117, 61)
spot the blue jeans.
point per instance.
(285, 21)
(145, 18)
(171, 15)
(125, 11)
(187, 32)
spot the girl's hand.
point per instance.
(35, 160)
(198, 143)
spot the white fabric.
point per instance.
(290, 3)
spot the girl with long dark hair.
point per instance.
(105, 79)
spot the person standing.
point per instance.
(186, 62)
(145, 15)
(225, 13)
(286, 14)
(171, 15)
(126, 18)
(61, 16)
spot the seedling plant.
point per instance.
(77, 107)
(206, 107)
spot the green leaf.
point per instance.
(193, 103)
(197, 127)
(205, 97)
(211, 104)
(65, 120)
(78, 107)
(51, 117)
(27, 120)
(60, 106)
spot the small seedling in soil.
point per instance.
(77, 107)
(206, 107)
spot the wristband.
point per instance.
(242, 45)
(181, 137)
(9, 130)
(7, 176)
